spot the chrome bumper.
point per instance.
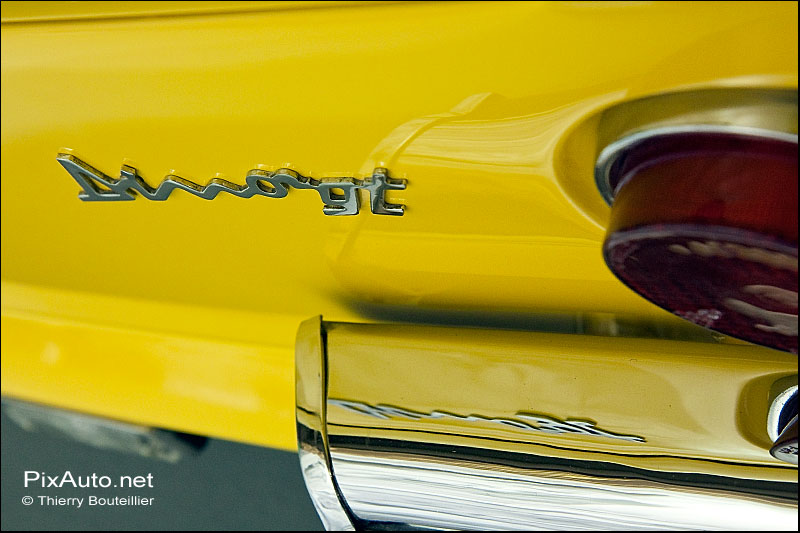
(376, 455)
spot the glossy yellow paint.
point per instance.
(21, 11)
(470, 102)
(691, 403)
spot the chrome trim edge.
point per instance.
(312, 441)
(785, 447)
(776, 409)
(753, 110)
(609, 155)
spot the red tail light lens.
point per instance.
(704, 224)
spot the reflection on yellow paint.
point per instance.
(182, 313)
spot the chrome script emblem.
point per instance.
(526, 421)
(338, 195)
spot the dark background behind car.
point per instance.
(227, 486)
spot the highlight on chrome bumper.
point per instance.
(447, 428)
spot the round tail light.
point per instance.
(704, 224)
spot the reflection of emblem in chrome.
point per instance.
(523, 420)
(339, 195)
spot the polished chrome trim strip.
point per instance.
(411, 486)
(527, 421)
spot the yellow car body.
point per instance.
(182, 314)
